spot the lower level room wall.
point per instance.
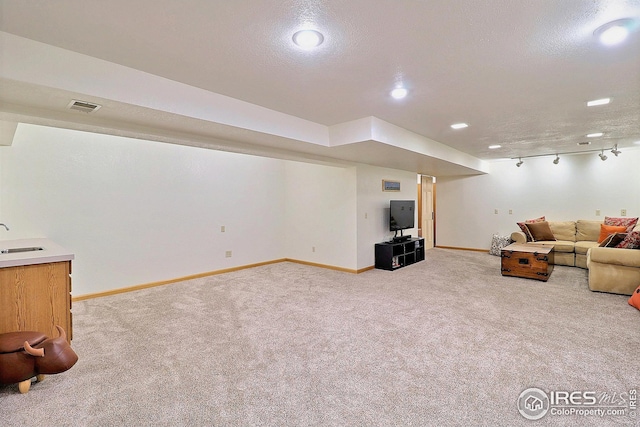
(573, 189)
(137, 212)
(373, 207)
(320, 219)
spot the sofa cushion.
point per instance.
(634, 301)
(608, 230)
(561, 245)
(631, 241)
(630, 223)
(563, 230)
(615, 256)
(524, 228)
(583, 246)
(540, 231)
(587, 230)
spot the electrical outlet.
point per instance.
(313, 248)
(623, 212)
(510, 211)
(227, 254)
(366, 215)
(222, 229)
(495, 211)
(597, 212)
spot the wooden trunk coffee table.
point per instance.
(527, 261)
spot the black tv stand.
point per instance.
(393, 255)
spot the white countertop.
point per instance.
(51, 252)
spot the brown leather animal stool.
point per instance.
(24, 355)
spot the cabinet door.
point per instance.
(35, 298)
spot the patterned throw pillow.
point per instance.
(524, 228)
(632, 241)
(497, 243)
(630, 223)
(613, 240)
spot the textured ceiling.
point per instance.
(518, 71)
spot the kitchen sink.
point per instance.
(17, 250)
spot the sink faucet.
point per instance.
(5, 226)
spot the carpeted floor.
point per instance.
(447, 341)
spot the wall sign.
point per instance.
(390, 185)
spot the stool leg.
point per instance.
(40, 377)
(24, 386)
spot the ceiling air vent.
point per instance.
(584, 143)
(84, 106)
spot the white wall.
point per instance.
(320, 214)
(570, 190)
(373, 207)
(135, 211)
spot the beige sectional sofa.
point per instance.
(614, 270)
(573, 240)
(610, 269)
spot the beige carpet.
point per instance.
(447, 341)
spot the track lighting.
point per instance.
(556, 161)
(615, 150)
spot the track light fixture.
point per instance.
(601, 154)
(615, 150)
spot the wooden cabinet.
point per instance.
(36, 298)
(390, 256)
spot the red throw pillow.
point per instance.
(634, 301)
(632, 241)
(630, 223)
(608, 230)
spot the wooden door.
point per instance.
(427, 223)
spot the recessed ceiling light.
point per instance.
(595, 102)
(595, 135)
(308, 39)
(399, 93)
(459, 126)
(493, 147)
(614, 32)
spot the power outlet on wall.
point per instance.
(313, 248)
(495, 211)
(623, 212)
(222, 228)
(597, 212)
(227, 254)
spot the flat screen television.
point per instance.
(401, 214)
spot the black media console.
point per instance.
(393, 255)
